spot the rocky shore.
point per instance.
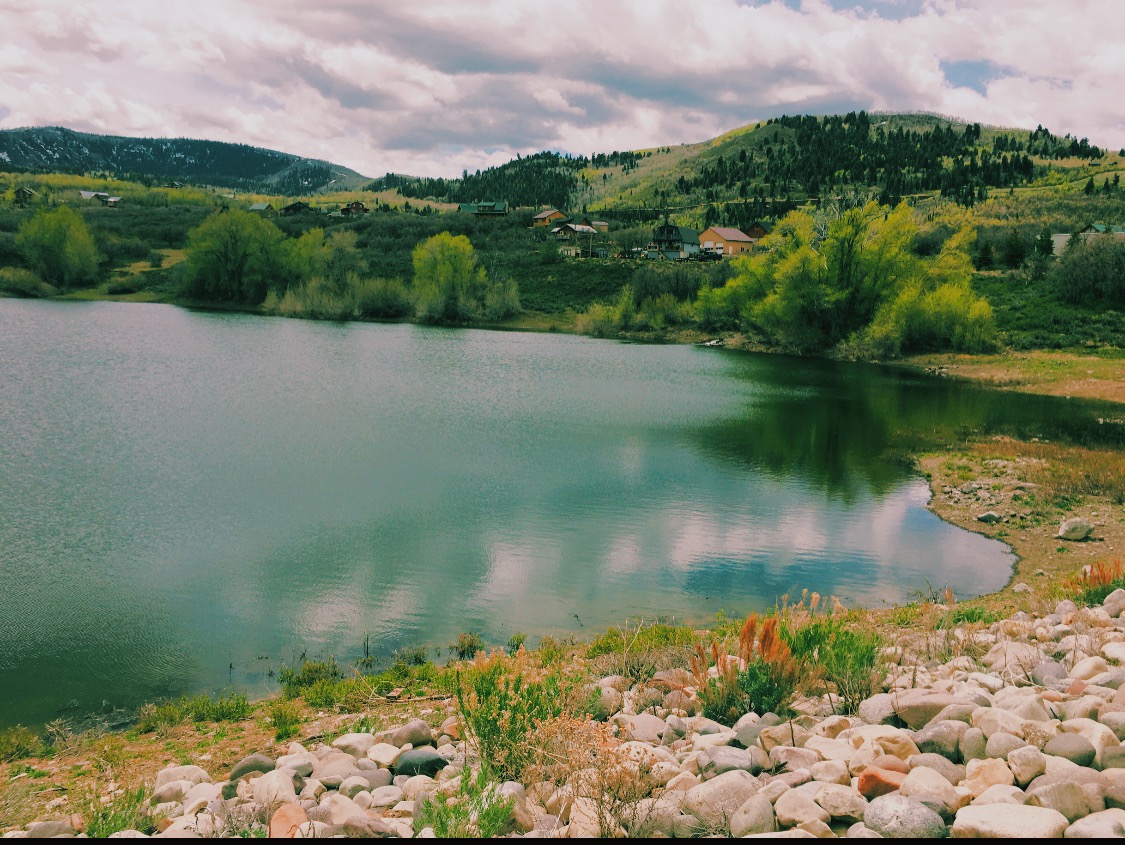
(1017, 734)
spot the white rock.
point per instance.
(384, 754)
(274, 788)
(1085, 669)
(1008, 821)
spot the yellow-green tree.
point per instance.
(59, 247)
(233, 256)
(450, 286)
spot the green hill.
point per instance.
(54, 149)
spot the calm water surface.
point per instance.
(188, 500)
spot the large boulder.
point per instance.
(1075, 528)
(1008, 821)
(897, 817)
(715, 801)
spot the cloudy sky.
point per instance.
(433, 86)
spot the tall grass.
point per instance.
(202, 708)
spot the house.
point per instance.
(109, 201)
(570, 231)
(263, 208)
(721, 240)
(354, 207)
(298, 207)
(1102, 229)
(485, 209)
(547, 218)
(757, 230)
(674, 242)
(584, 220)
(25, 195)
(92, 195)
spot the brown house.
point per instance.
(355, 207)
(547, 218)
(721, 240)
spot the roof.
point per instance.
(89, 195)
(728, 234)
(492, 207)
(545, 214)
(261, 206)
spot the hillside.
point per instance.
(767, 168)
(238, 166)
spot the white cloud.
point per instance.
(436, 87)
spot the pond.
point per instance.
(189, 500)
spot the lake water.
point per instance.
(189, 500)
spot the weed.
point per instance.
(478, 811)
(967, 615)
(1097, 581)
(285, 717)
(766, 684)
(501, 700)
(295, 681)
(847, 656)
(18, 742)
(551, 650)
(636, 653)
(515, 642)
(18, 803)
(202, 708)
(127, 810)
(468, 645)
(412, 655)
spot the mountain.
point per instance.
(54, 149)
(763, 169)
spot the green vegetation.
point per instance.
(202, 708)
(126, 811)
(58, 246)
(478, 811)
(467, 645)
(18, 742)
(501, 700)
(233, 257)
(450, 286)
(285, 719)
(845, 655)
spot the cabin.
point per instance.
(92, 195)
(109, 201)
(548, 218)
(298, 207)
(674, 242)
(725, 241)
(25, 195)
(584, 220)
(264, 208)
(1102, 229)
(354, 207)
(571, 231)
(485, 209)
(757, 230)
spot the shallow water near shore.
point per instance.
(189, 500)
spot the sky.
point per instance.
(432, 87)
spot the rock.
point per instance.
(253, 763)
(1071, 747)
(981, 774)
(831, 771)
(1008, 821)
(795, 807)
(891, 764)
(1088, 668)
(790, 733)
(879, 709)
(959, 712)
(353, 786)
(302, 763)
(199, 796)
(284, 822)
(50, 829)
(1070, 799)
(335, 809)
(1000, 794)
(680, 700)
(989, 517)
(194, 774)
(755, 816)
(952, 772)
(643, 727)
(973, 745)
(1021, 587)
(369, 826)
(841, 803)
(917, 707)
(172, 791)
(274, 788)
(385, 796)
(355, 744)
(793, 758)
(923, 783)
(383, 754)
(941, 737)
(1104, 825)
(1075, 528)
(725, 758)
(608, 702)
(334, 768)
(830, 749)
(1047, 672)
(875, 781)
(1001, 744)
(415, 732)
(418, 788)
(420, 761)
(715, 801)
(1115, 796)
(584, 820)
(1114, 758)
(894, 816)
(1026, 764)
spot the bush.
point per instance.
(285, 717)
(127, 811)
(1092, 271)
(766, 685)
(201, 708)
(16, 281)
(467, 645)
(383, 298)
(295, 681)
(847, 656)
(479, 811)
(18, 742)
(501, 701)
(58, 245)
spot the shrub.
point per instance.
(126, 811)
(501, 701)
(636, 653)
(58, 245)
(285, 717)
(383, 298)
(295, 681)
(766, 684)
(201, 708)
(16, 281)
(467, 645)
(599, 320)
(18, 742)
(1098, 581)
(479, 811)
(515, 642)
(845, 655)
